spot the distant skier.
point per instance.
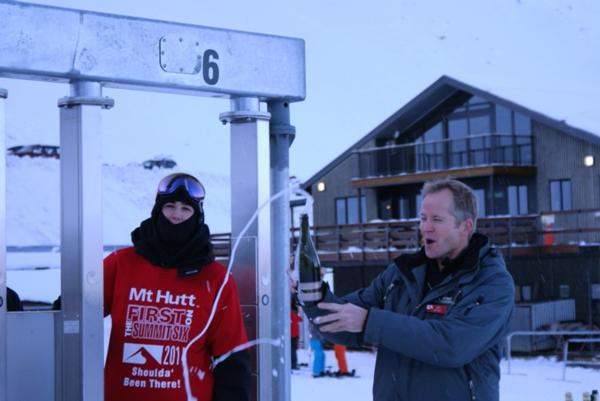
(340, 356)
(160, 293)
(316, 345)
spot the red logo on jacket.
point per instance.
(437, 309)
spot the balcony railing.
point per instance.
(471, 151)
(383, 241)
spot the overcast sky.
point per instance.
(364, 60)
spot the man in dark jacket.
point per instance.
(438, 316)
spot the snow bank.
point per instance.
(33, 200)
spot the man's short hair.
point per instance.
(465, 201)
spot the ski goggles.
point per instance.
(173, 182)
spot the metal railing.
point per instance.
(221, 249)
(386, 240)
(468, 151)
(566, 353)
(544, 333)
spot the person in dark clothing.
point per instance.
(160, 294)
(438, 316)
(13, 302)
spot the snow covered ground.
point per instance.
(537, 379)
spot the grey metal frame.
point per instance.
(92, 50)
(282, 135)
(81, 242)
(250, 188)
(127, 52)
(33, 367)
(3, 301)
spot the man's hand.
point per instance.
(343, 317)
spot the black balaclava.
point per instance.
(185, 246)
(176, 235)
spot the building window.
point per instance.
(560, 195)
(418, 202)
(430, 149)
(480, 195)
(351, 210)
(340, 211)
(503, 120)
(385, 209)
(404, 207)
(517, 200)
(522, 124)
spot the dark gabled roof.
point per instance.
(432, 97)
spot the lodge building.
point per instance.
(537, 181)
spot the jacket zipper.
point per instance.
(427, 299)
(467, 370)
(456, 279)
(388, 290)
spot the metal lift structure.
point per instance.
(59, 355)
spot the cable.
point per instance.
(276, 342)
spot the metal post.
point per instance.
(82, 358)
(282, 135)
(565, 356)
(3, 300)
(508, 350)
(250, 188)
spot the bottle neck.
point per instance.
(305, 230)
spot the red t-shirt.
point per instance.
(155, 314)
(295, 324)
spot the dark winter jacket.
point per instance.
(444, 345)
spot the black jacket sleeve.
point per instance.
(232, 378)
(13, 302)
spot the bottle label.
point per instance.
(312, 285)
(310, 292)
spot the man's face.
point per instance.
(442, 236)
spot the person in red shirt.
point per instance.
(160, 294)
(295, 320)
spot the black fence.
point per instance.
(383, 241)
(477, 150)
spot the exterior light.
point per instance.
(588, 161)
(321, 186)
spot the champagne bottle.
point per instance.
(308, 267)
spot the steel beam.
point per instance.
(82, 347)
(250, 188)
(128, 52)
(3, 300)
(282, 135)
